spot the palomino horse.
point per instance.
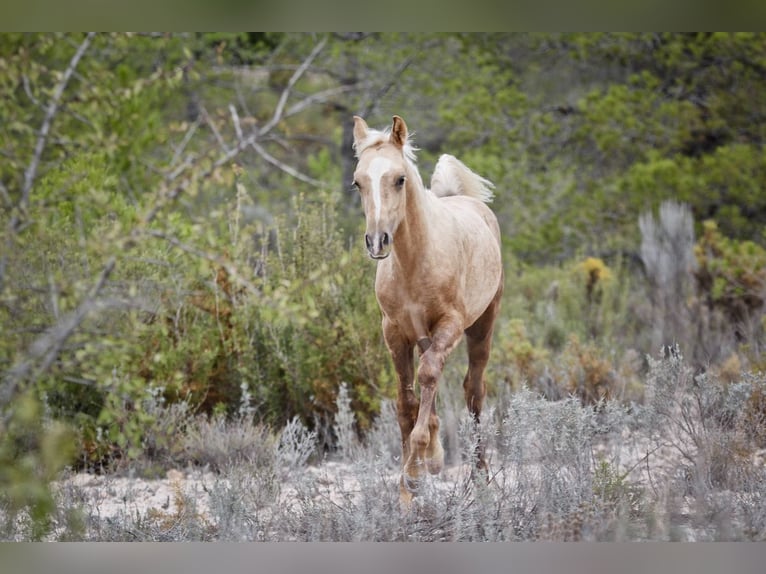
(439, 275)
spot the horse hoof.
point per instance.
(407, 489)
(435, 466)
(405, 501)
(435, 456)
(435, 463)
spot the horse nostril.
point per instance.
(384, 239)
(368, 241)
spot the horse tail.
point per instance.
(452, 177)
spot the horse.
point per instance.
(439, 276)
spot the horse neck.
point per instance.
(414, 240)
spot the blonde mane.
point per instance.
(376, 137)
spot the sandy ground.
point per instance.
(112, 496)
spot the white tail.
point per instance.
(452, 177)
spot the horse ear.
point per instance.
(360, 129)
(399, 132)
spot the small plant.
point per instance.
(527, 360)
(215, 441)
(344, 425)
(594, 274)
(32, 452)
(614, 492)
(296, 445)
(589, 375)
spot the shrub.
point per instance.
(526, 360)
(731, 277)
(317, 325)
(588, 375)
(714, 426)
(33, 449)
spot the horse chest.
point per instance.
(415, 309)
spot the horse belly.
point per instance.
(482, 283)
(483, 268)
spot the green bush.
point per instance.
(732, 277)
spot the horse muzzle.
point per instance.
(378, 244)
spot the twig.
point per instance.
(231, 270)
(387, 87)
(235, 121)
(28, 90)
(184, 142)
(5, 195)
(277, 117)
(188, 162)
(44, 350)
(284, 167)
(319, 97)
(211, 125)
(31, 172)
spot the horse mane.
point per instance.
(376, 137)
(452, 177)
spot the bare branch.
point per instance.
(218, 260)
(28, 90)
(211, 125)
(188, 162)
(286, 168)
(173, 193)
(44, 350)
(184, 142)
(235, 121)
(387, 87)
(319, 97)
(6, 197)
(50, 113)
(277, 117)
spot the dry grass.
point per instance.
(685, 465)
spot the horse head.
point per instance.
(385, 164)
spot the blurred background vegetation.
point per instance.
(176, 221)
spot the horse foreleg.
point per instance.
(426, 450)
(407, 402)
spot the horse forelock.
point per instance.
(378, 137)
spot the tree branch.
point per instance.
(386, 87)
(277, 117)
(44, 350)
(286, 168)
(319, 97)
(218, 260)
(50, 113)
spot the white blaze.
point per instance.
(378, 167)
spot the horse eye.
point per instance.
(400, 181)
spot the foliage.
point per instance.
(29, 460)
(731, 274)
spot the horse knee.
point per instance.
(419, 438)
(429, 371)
